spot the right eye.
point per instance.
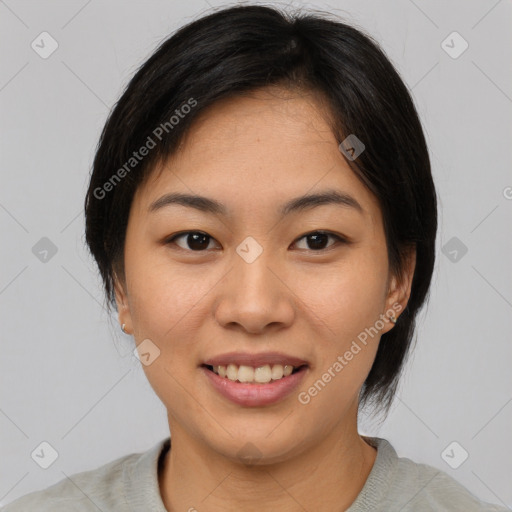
(194, 241)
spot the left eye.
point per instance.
(318, 239)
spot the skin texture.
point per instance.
(253, 154)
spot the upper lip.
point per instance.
(254, 360)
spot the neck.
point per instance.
(332, 473)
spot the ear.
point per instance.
(399, 290)
(123, 307)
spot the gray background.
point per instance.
(68, 374)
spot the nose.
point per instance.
(255, 297)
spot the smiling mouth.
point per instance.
(264, 374)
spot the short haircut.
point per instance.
(239, 49)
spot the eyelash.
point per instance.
(339, 239)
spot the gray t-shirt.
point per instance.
(130, 483)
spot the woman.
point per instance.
(263, 215)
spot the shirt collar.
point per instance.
(142, 491)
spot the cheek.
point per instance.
(345, 350)
(164, 302)
(166, 308)
(350, 295)
(167, 305)
(349, 300)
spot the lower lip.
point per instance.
(255, 395)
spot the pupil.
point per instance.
(316, 244)
(197, 241)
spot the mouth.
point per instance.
(259, 386)
(263, 374)
(255, 379)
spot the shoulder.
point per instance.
(430, 488)
(90, 490)
(103, 488)
(420, 488)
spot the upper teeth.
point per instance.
(261, 374)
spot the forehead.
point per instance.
(269, 116)
(258, 150)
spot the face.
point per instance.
(255, 277)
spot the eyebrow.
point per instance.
(305, 202)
